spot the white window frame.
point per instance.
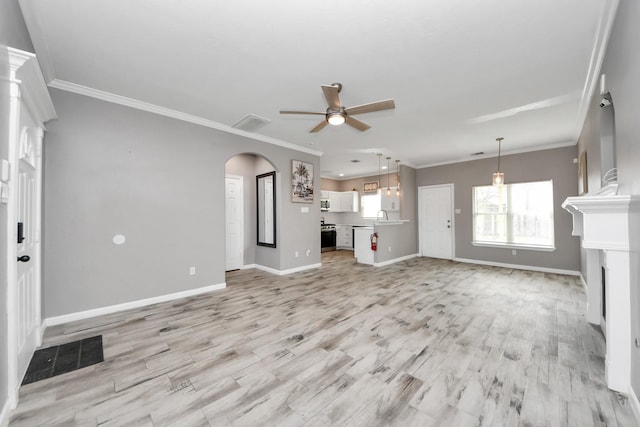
(509, 218)
(363, 204)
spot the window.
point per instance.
(370, 204)
(514, 215)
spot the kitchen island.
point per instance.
(392, 238)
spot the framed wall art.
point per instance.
(301, 182)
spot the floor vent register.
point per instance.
(63, 358)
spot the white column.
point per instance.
(618, 324)
(594, 287)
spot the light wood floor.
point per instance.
(420, 343)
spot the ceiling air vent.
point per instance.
(251, 123)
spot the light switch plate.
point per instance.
(5, 169)
(458, 211)
(304, 209)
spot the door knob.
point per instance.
(24, 258)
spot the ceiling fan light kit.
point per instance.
(336, 114)
(336, 118)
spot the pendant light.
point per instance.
(398, 177)
(388, 172)
(498, 177)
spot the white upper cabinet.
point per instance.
(349, 201)
(345, 201)
(335, 201)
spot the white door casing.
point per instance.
(27, 291)
(436, 221)
(234, 228)
(30, 107)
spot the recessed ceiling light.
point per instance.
(384, 167)
(340, 174)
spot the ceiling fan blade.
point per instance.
(387, 104)
(333, 99)
(361, 126)
(300, 112)
(319, 127)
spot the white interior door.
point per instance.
(27, 291)
(234, 222)
(436, 221)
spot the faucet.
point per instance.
(385, 214)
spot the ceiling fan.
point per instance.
(336, 114)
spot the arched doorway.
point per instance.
(241, 208)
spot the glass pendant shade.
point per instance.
(498, 178)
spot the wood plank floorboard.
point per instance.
(423, 342)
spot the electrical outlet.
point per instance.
(514, 252)
(192, 271)
(308, 252)
(297, 254)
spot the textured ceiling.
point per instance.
(461, 72)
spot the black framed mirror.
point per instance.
(266, 203)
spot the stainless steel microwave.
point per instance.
(324, 204)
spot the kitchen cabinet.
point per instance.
(349, 201)
(335, 201)
(324, 194)
(344, 237)
(342, 201)
(390, 203)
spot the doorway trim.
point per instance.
(30, 106)
(240, 178)
(421, 195)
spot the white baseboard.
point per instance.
(4, 414)
(82, 315)
(584, 282)
(519, 267)
(281, 272)
(394, 260)
(635, 404)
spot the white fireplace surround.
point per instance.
(603, 223)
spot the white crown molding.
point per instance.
(504, 153)
(605, 24)
(167, 112)
(82, 315)
(26, 73)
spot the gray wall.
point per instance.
(160, 182)
(622, 67)
(557, 164)
(13, 33)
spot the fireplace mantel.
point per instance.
(603, 223)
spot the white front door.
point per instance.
(234, 222)
(436, 221)
(27, 290)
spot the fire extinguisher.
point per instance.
(374, 242)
